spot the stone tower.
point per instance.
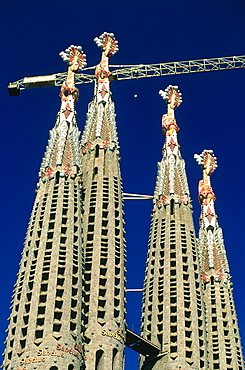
(223, 340)
(69, 303)
(45, 323)
(68, 310)
(173, 309)
(104, 281)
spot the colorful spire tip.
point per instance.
(108, 43)
(75, 57)
(172, 96)
(207, 161)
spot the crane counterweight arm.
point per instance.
(49, 80)
(133, 71)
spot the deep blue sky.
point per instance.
(32, 33)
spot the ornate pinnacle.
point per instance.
(108, 43)
(172, 182)
(210, 234)
(75, 57)
(172, 96)
(207, 161)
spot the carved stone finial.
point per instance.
(75, 57)
(207, 161)
(108, 43)
(172, 96)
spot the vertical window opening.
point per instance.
(97, 149)
(115, 359)
(57, 177)
(99, 361)
(172, 207)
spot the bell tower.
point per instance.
(45, 323)
(104, 272)
(223, 340)
(173, 309)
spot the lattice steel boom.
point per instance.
(133, 71)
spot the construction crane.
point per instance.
(127, 72)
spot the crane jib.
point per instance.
(133, 72)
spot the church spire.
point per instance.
(101, 126)
(214, 261)
(45, 329)
(62, 154)
(171, 180)
(108, 45)
(173, 310)
(223, 340)
(104, 267)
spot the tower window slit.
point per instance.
(40, 311)
(58, 304)
(73, 326)
(64, 229)
(97, 149)
(102, 303)
(102, 281)
(56, 327)
(99, 360)
(44, 287)
(40, 321)
(38, 334)
(188, 354)
(101, 314)
(43, 298)
(173, 328)
(173, 349)
(59, 292)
